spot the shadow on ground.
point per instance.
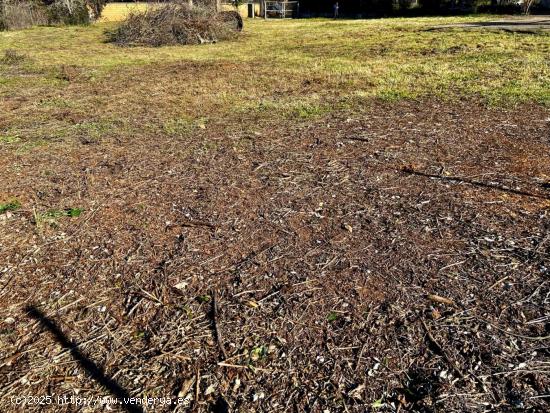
(85, 362)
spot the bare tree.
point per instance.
(215, 4)
(526, 6)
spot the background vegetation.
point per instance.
(17, 14)
(366, 8)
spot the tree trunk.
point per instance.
(2, 15)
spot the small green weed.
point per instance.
(53, 215)
(9, 139)
(333, 316)
(204, 298)
(10, 206)
(258, 353)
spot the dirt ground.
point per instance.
(511, 24)
(396, 260)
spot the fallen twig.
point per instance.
(357, 138)
(439, 299)
(239, 366)
(459, 179)
(197, 389)
(216, 324)
(440, 350)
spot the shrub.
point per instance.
(96, 7)
(18, 14)
(174, 23)
(68, 12)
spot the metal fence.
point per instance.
(281, 9)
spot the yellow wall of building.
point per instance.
(115, 12)
(243, 9)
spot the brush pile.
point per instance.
(176, 23)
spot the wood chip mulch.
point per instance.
(393, 260)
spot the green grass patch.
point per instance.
(52, 216)
(12, 205)
(308, 111)
(332, 316)
(9, 139)
(182, 126)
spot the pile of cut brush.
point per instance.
(176, 23)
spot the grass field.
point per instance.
(293, 68)
(321, 215)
